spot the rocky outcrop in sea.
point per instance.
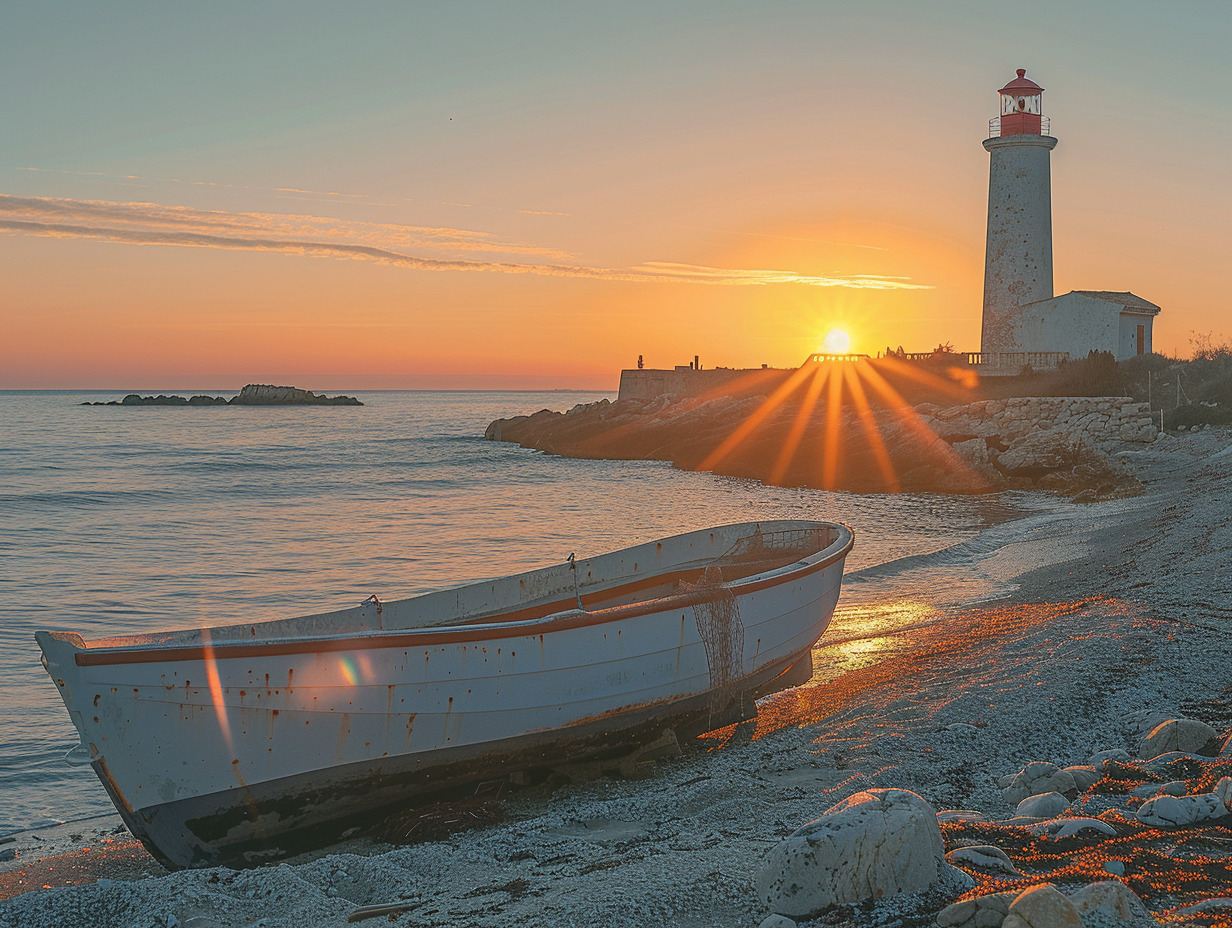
(1055, 443)
(253, 394)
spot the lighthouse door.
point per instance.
(1141, 339)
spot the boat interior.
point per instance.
(723, 555)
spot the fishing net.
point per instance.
(767, 550)
(715, 607)
(718, 623)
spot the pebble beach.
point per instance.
(1112, 618)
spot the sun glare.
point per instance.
(836, 342)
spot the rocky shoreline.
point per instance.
(253, 394)
(1061, 444)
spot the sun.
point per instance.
(836, 342)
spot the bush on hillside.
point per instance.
(1193, 392)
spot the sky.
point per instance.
(531, 195)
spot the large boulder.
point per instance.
(1171, 788)
(983, 857)
(1038, 453)
(1084, 776)
(1098, 758)
(1042, 906)
(1042, 805)
(979, 468)
(1039, 777)
(1223, 789)
(1185, 735)
(1069, 827)
(986, 911)
(777, 921)
(961, 815)
(873, 844)
(1142, 721)
(974, 451)
(1111, 902)
(1175, 811)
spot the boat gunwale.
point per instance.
(566, 620)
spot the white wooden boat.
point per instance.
(234, 745)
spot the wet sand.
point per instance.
(1126, 612)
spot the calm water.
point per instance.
(126, 519)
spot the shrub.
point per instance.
(1095, 375)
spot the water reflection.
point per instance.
(903, 644)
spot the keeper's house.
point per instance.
(1087, 320)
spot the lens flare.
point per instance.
(216, 692)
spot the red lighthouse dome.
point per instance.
(1021, 106)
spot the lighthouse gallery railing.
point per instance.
(994, 127)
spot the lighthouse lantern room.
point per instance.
(1022, 107)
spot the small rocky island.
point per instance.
(253, 394)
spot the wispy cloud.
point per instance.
(703, 274)
(291, 193)
(156, 224)
(130, 217)
(792, 238)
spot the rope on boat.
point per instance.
(717, 612)
(572, 559)
(372, 599)
(718, 624)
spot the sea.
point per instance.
(118, 520)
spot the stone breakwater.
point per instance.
(1057, 443)
(253, 394)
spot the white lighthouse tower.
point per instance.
(1018, 257)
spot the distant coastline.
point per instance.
(253, 394)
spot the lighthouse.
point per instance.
(1024, 325)
(1018, 254)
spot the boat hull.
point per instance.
(244, 826)
(237, 752)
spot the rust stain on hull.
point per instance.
(104, 773)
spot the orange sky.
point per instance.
(448, 199)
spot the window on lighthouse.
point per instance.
(1010, 105)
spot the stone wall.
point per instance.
(648, 384)
(1099, 422)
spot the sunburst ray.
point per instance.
(859, 399)
(821, 373)
(755, 418)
